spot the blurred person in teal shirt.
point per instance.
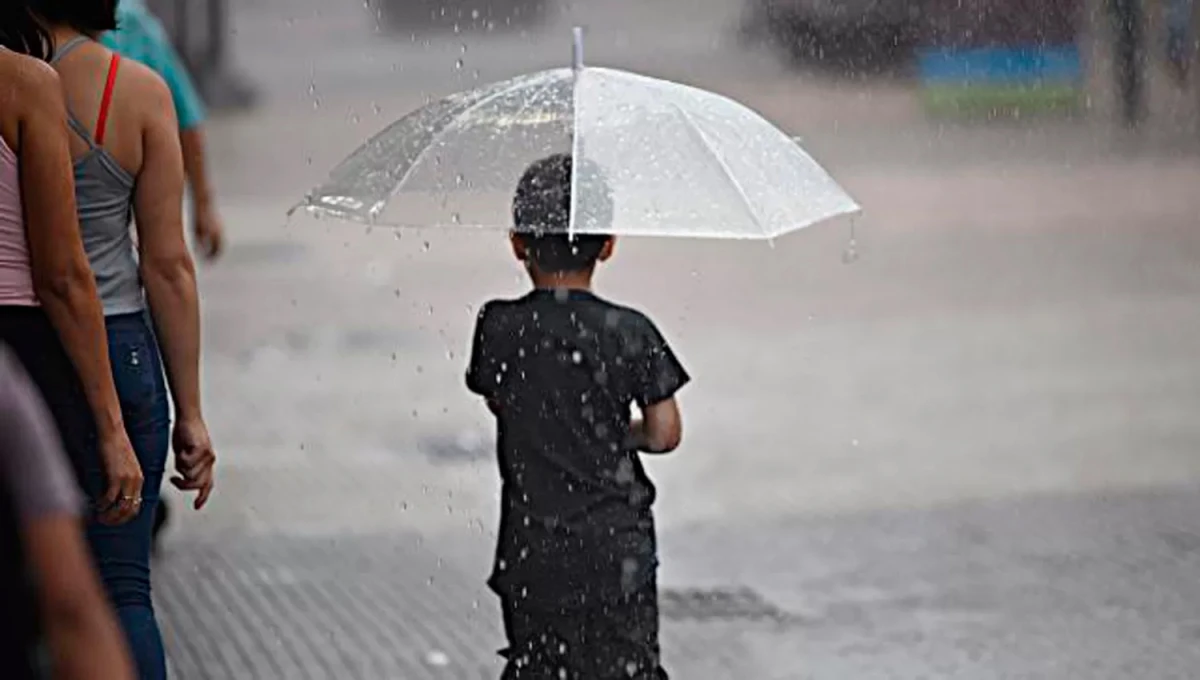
(140, 36)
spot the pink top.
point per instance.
(16, 275)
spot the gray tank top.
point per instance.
(104, 199)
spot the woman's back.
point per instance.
(105, 106)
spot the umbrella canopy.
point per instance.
(662, 158)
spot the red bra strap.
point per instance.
(106, 101)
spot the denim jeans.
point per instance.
(122, 553)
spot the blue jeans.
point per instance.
(122, 553)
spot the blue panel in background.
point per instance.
(1005, 65)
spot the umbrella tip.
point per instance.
(577, 48)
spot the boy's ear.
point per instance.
(518, 246)
(607, 251)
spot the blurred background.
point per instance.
(969, 453)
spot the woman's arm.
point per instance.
(82, 635)
(168, 272)
(63, 279)
(169, 276)
(64, 282)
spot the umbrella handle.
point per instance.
(577, 49)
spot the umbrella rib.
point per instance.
(712, 150)
(455, 124)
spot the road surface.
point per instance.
(969, 454)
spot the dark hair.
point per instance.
(21, 32)
(90, 17)
(542, 214)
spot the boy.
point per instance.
(576, 559)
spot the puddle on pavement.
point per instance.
(468, 446)
(721, 605)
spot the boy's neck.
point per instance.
(562, 280)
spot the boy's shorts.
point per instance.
(611, 641)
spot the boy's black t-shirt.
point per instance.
(562, 370)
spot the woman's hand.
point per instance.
(122, 499)
(194, 459)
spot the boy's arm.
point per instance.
(658, 377)
(485, 372)
(660, 428)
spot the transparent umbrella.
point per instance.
(665, 159)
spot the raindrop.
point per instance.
(437, 658)
(459, 179)
(850, 255)
(474, 14)
(576, 357)
(404, 506)
(376, 108)
(450, 354)
(456, 218)
(458, 64)
(425, 246)
(464, 48)
(396, 235)
(854, 443)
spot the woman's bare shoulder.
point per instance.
(145, 90)
(32, 83)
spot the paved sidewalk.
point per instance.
(1091, 586)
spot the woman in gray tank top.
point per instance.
(129, 168)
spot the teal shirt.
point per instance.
(140, 36)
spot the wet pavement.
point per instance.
(1088, 586)
(969, 454)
